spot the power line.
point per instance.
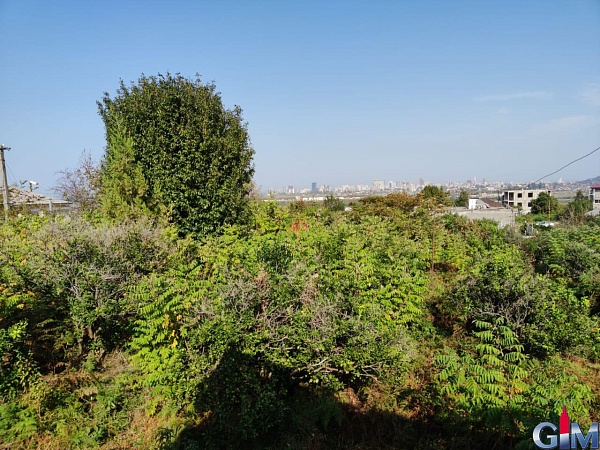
(566, 165)
(11, 172)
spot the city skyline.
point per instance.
(338, 92)
(380, 185)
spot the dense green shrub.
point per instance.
(278, 312)
(68, 278)
(177, 151)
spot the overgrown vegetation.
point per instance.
(389, 326)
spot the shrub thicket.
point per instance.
(310, 329)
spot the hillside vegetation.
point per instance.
(389, 326)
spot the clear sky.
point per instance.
(337, 92)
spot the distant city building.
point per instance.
(521, 198)
(491, 189)
(378, 185)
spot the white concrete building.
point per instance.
(521, 198)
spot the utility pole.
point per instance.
(4, 182)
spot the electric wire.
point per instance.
(566, 165)
(11, 173)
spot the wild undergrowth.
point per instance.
(388, 326)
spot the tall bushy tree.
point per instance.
(463, 199)
(544, 204)
(576, 210)
(194, 154)
(436, 194)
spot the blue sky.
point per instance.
(333, 92)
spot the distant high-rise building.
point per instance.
(313, 187)
(421, 182)
(378, 185)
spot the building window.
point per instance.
(530, 194)
(529, 204)
(520, 204)
(520, 195)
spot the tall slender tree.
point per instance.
(124, 188)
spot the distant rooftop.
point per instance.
(21, 197)
(491, 203)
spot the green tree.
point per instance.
(463, 199)
(576, 210)
(194, 154)
(544, 204)
(124, 189)
(333, 203)
(437, 194)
